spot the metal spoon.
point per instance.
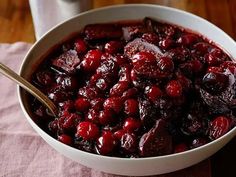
(29, 88)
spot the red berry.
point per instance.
(82, 104)
(166, 43)
(201, 48)
(187, 39)
(150, 38)
(219, 126)
(165, 64)
(198, 142)
(87, 130)
(92, 60)
(131, 124)
(66, 139)
(153, 92)
(129, 143)
(196, 66)
(97, 104)
(106, 117)
(119, 133)
(215, 57)
(113, 103)
(71, 120)
(124, 73)
(180, 148)
(214, 69)
(144, 56)
(119, 88)
(130, 93)
(131, 107)
(174, 89)
(113, 47)
(92, 116)
(106, 143)
(120, 59)
(229, 65)
(80, 46)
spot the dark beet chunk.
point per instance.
(215, 83)
(67, 61)
(102, 31)
(156, 141)
(147, 112)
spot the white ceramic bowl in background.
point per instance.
(126, 166)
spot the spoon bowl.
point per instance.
(29, 88)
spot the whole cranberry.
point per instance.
(102, 84)
(87, 130)
(92, 116)
(229, 65)
(71, 120)
(129, 143)
(67, 82)
(187, 39)
(89, 92)
(197, 142)
(184, 81)
(121, 60)
(113, 103)
(180, 148)
(214, 69)
(119, 133)
(201, 48)
(119, 88)
(106, 117)
(80, 46)
(166, 43)
(124, 73)
(132, 124)
(131, 107)
(68, 105)
(153, 92)
(82, 104)
(215, 83)
(174, 88)
(130, 93)
(179, 54)
(150, 38)
(66, 139)
(165, 64)
(106, 143)
(215, 57)
(44, 78)
(113, 47)
(219, 126)
(92, 60)
(97, 103)
(144, 56)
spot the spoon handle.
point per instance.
(28, 87)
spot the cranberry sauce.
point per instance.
(137, 90)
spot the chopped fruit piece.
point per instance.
(174, 89)
(67, 61)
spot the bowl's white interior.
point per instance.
(142, 166)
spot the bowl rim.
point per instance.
(232, 132)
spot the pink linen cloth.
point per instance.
(23, 153)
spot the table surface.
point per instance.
(16, 25)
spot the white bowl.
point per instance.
(125, 166)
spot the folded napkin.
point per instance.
(24, 153)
